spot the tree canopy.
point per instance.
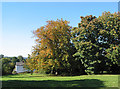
(53, 46)
(97, 41)
(91, 48)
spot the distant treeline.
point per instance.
(7, 64)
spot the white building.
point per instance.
(19, 67)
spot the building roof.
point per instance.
(19, 63)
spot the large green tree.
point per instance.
(7, 66)
(93, 39)
(111, 37)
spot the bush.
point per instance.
(14, 72)
(36, 71)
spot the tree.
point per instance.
(111, 36)
(31, 64)
(14, 60)
(1, 56)
(7, 66)
(84, 39)
(20, 58)
(93, 38)
(53, 45)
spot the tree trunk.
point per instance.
(31, 72)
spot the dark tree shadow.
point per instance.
(59, 88)
(16, 84)
(25, 76)
(53, 84)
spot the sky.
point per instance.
(20, 19)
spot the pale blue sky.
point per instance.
(20, 19)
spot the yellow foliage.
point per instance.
(114, 47)
(50, 38)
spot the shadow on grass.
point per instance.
(25, 76)
(16, 84)
(54, 84)
(59, 88)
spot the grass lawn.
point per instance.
(39, 80)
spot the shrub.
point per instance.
(14, 72)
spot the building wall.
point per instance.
(20, 69)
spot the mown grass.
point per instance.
(40, 80)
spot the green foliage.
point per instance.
(111, 24)
(14, 72)
(1, 56)
(7, 66)
(97, 42)
(14, 60)
(20, 58)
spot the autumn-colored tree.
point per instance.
(53, 45)
(31, 64)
